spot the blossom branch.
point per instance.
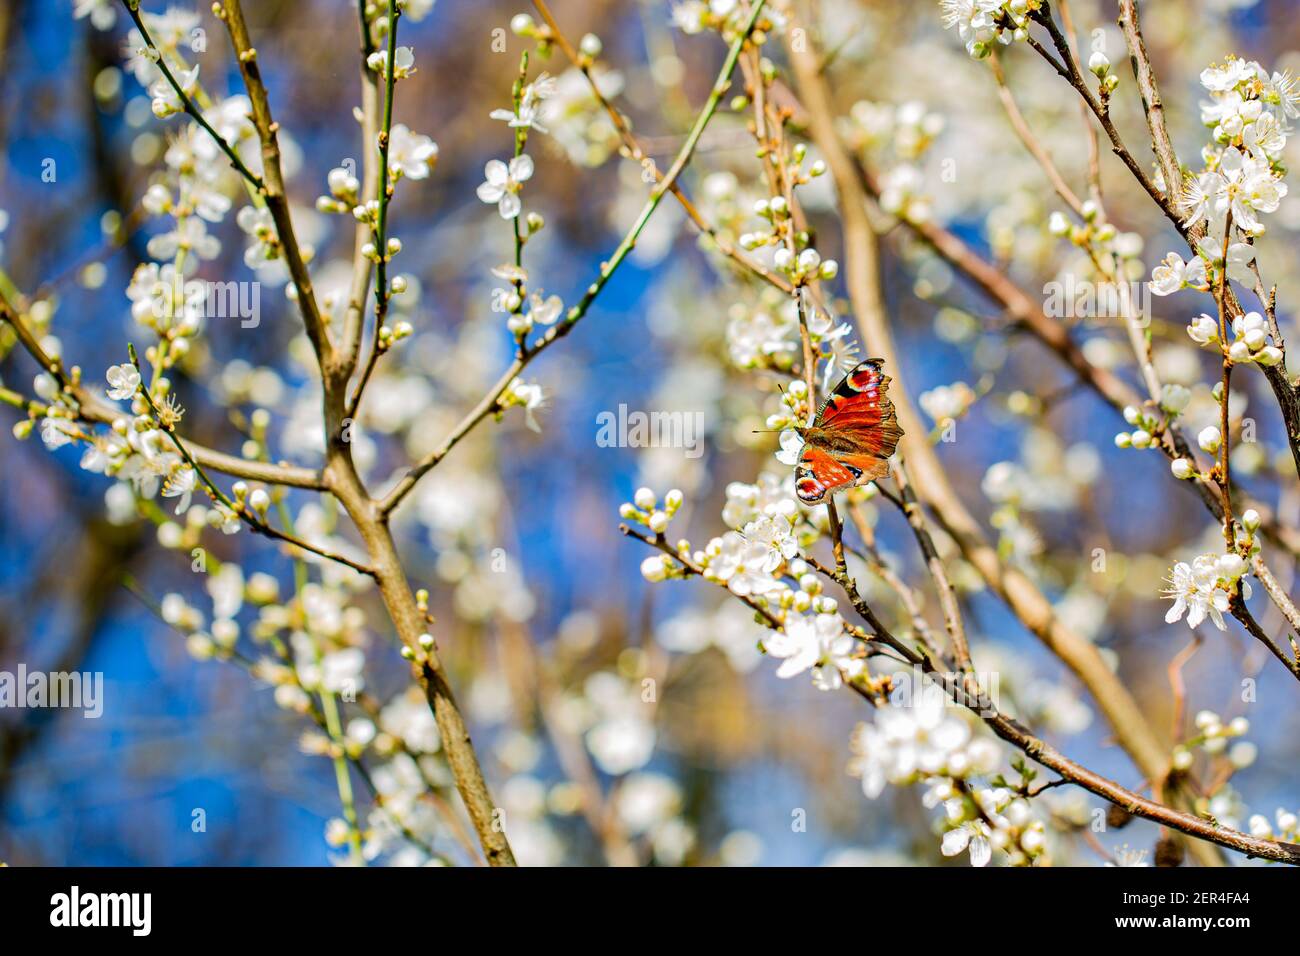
(491, 402)
(1287, 395)
(637, 154)
(1152, 106)
(232, 14)
(251, 668)
(239, 508)
(1031, 143)
(186, 101)
(952, 617)
(92, 409)
(1022, 595)
(354, 316)
(1069, 69)
(382, 291)
(959, 689)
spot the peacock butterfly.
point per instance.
(852, 437)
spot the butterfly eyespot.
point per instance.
(863, 379)
(809, 490)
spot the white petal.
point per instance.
(496, 172)
(521, 168)
(509, 206)
(954, 841)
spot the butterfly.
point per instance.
(850, 441)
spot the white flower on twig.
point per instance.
(124, 380)
(502, 184)
(410, 154)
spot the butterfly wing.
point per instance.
(819, 472)
(853, 436)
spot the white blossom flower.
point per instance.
(105, 452)
(56, 432)
(973, 835)
(502, 184)
(102, 13)
(530, 105)
(738, 563)
(1173, 274)
(775, 532)
(403, 59)
(975, 21)
(124, 380)
(1249, 186)
(817, 642)
(180, 484)
(1203, 329)
(922, 738)
(791, 447)
(1204, 588)
(166, 101)
(544, 311)
(410, 154)
(531, 397)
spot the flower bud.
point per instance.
(259, 501)
(1231, 566)
(1269, 355)
(1242, 754)
(654, 569)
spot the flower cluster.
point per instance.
(1252, 338)
(1248, 116)
(644, 508)
(1287, 828)
(1205, 588)
(925, 740)
(980, 22)
(1212, 737)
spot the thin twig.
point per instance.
(491, 401)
